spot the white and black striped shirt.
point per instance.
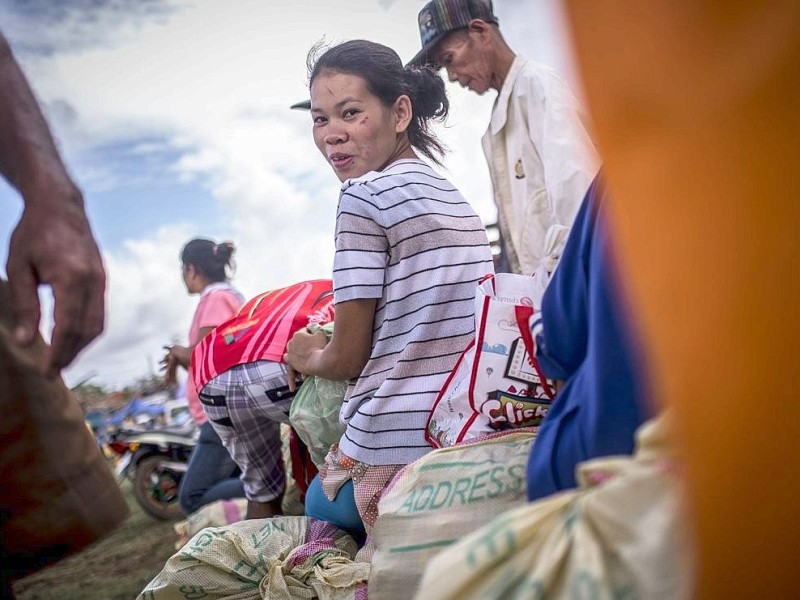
(408, 238)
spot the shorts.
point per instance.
(57, 491)
(246, 405)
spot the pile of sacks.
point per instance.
(280, 558)
(455, 525)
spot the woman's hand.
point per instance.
(301, 352)
(170, 367)
(346, 354)
(176, 356)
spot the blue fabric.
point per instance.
(210, 475)
(586, 340)
(342, 512)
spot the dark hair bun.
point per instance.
(210, 259)
(429, 97)
(224, 251)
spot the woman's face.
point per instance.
(190, 278)
(353, 129)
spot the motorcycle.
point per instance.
(155, 462)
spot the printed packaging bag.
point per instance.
(496, 383)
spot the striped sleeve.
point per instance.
(362, 248)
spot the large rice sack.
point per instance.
(216, 514)
(622, 534)
(280, 558)
(438, 499)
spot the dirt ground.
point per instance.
(117, 567)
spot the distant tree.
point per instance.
(90, 395)
(147, 385)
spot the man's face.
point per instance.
(465, 60)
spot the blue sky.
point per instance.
(173, 116)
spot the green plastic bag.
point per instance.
(314, 413)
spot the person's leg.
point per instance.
(263, 510)
(240, 408)
(209, 476)
(341, 511)
(265, 477)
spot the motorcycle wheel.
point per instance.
(156, 489)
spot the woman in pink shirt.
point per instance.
(210, 475)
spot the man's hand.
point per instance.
(53, 245)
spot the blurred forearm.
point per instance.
(29, 159)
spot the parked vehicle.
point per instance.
(176, 412)
(155, 461)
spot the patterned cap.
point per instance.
(440, 17)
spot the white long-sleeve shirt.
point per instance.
(541, 161)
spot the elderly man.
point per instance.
(541, 158)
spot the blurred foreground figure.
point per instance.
(57, 493)
(696, 112)
(584, 338)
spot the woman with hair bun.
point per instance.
(409, 253)
(211, 473)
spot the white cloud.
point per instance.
(213, 80)
(147, 306)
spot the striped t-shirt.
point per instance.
(408, 238)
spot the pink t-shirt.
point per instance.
(218, 303)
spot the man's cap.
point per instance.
(439, 17)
